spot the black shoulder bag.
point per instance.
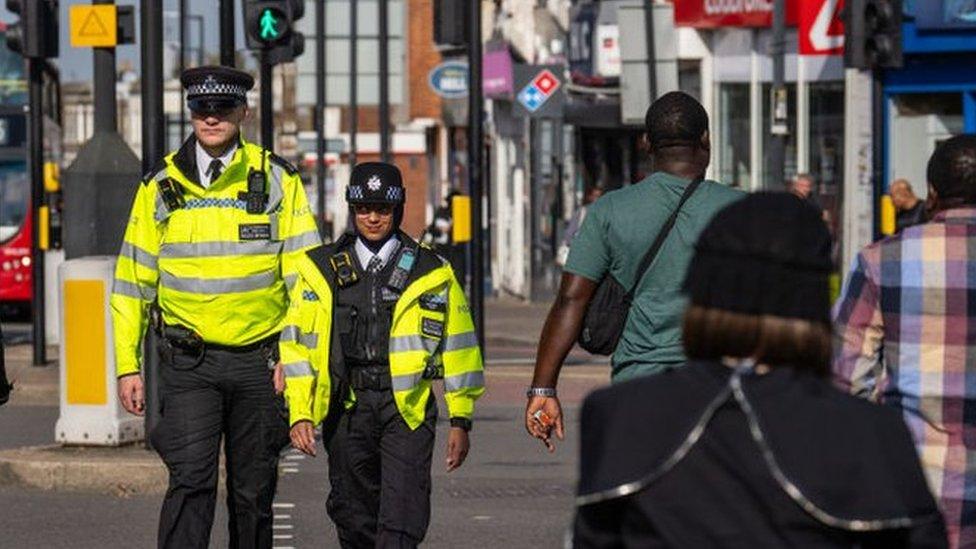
(607, 312)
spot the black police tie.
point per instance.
(374, 265)
(216, 166)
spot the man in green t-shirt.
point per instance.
(619, 229)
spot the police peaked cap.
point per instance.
(215, 88)
(376, 182)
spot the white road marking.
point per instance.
(282, 517)
(290, 469)
(283, 536)
(283, 505)
(295, 456)
(282, 527)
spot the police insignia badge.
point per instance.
(374, 183)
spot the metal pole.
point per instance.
(474, 170)
(153, 128)
(353, 76)
(651, 52)
(320, 112)
(226, 32)
(777, 152)
(877, 149)
(182, 65)
(36, 160)
(384, 62)
(267, 104)
(104, 76)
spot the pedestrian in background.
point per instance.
(906, 325)
(910, 209)
(375, 319)
(211, 244)
(749, 445)
(572, 227)
(617, 233)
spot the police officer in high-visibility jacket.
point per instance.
(373, 321)
(207, 259)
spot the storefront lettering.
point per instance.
(723, 7)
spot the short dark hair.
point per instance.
(676, 119)
(952, 169)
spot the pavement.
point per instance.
(510, 492)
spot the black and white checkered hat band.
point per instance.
(358, 193)
(216, 88)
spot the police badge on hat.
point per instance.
(215, 89)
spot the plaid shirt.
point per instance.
(906, 325)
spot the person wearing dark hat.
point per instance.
(619, 231)
(206, 262)
(375, 319)
(749, 444)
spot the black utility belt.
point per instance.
(185, 339)
(373, 377)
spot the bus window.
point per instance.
(14, 198)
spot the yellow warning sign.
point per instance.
(93, 26)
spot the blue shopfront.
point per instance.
(933, 96)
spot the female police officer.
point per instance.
(373, 320)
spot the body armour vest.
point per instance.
(364, 315)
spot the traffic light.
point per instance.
(36, 33)
(872, 34)
(451, 23)
(271, 27)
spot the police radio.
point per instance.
(256, 197)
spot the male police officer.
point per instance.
(210, 247)
(373, 320)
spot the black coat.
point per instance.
(670, 461)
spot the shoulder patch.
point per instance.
(282, 163)
(158, 167)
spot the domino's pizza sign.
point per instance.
(540, 93)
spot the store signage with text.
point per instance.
(730, 13)
(821, 27)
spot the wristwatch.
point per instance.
(462, 422)
(547, 392)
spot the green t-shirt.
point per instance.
(618, 230)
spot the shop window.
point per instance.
(826, 151)
(917, 123)
(734, 136)
(771, 181)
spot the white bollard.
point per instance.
(90, 410)
(52, 296)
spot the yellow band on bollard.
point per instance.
(84, 341)
(887, 215)
(461, 214)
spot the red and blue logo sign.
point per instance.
(538, 91)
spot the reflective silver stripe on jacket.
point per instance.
(464, 340)
(298, 369)
(734, 389)
(140, 256)
(407, 381)
(217, 285)
(291, 280)
(407, 343)
(129, 289)
(294, 333)
(219, 249)
(469, 380)
(299, 241)
(276, 191)
(162, 211)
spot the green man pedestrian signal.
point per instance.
(270, 28)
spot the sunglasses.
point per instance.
(366, 209)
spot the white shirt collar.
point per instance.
(364, 254)
(204, 159)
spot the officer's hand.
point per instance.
(279, 378)
(458, 445)
(303, 437)
(132, 395)
(550, 407)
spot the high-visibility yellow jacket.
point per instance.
(432, 293)
(214, 267)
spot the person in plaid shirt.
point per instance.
(906, 329)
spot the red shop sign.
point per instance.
(710, 14)
(821, 27)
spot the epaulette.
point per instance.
(289, 168)
(160, 166)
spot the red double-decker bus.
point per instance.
(16, 219)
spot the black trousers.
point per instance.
(229, 394)
(379, 470)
